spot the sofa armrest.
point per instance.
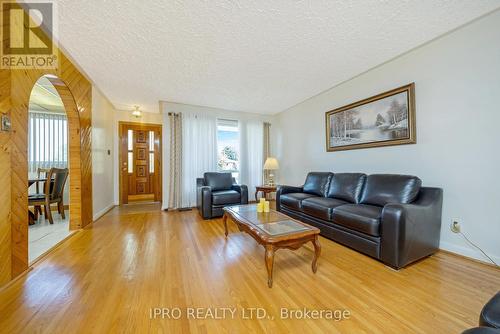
(203, 199)
(411, 231)
(243, 190)
(282, 190)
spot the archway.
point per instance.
(76, 94)
(74, 149)
(48, 147)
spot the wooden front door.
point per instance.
(140, 159)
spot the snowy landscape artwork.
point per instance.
(385, 119)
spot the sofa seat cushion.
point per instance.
(490, 314)
(321, 207)
(359, 217)
(222, 197)
(36, 197)
(294, 200)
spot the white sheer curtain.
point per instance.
(251, 148)
(47, 141)
(199, 152)
(175, 165)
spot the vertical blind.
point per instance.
(47, 141)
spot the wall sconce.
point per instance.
(137, 113)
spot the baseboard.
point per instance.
(188, 208)
(468, 252)
(102, 212)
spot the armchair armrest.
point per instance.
(200, 182)
(282, 190)
(410, 232)
(243, 190)
(203, 198)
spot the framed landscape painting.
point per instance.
(382, 120)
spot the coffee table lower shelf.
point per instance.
(271, 244)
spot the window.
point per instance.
(47, 141)
(130, 151)
(151, 152)
(228, 147)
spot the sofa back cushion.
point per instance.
(218, 181)
(347, 186)
(381, 189)
(317, 183)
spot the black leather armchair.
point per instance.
(489, 319)
(217, 190)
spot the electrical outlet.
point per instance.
(455, 226)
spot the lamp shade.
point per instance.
(271, 164)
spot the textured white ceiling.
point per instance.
(253, 55)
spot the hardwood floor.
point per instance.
(107, 279)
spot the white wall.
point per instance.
(126, 116)
(167, 107)
(102, 162)
(457, 81)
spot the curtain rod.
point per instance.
(171, 113)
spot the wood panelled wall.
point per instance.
(15, 90)
(5, 230)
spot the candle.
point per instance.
(266, 206)
(260, 207)
(262, 200)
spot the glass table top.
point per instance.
(273, 223)
(282, 227)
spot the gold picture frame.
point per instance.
(385, 119)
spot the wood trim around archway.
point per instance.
(74, 148)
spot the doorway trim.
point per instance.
(121, 139)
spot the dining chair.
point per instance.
(53, 193)
(41, 174)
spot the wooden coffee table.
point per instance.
(273, 230)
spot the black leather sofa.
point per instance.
(389, 217)
(216, 190)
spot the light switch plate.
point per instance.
(6, 123)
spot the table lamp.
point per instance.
(271, 164)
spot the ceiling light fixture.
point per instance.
(137, 113)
